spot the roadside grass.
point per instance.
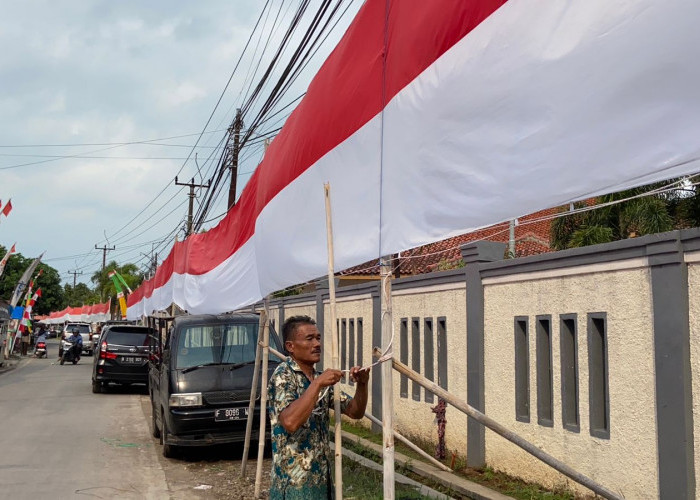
(366, 484)
(497, 481)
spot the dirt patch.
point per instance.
(209, 472)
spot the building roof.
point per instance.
(531, 238)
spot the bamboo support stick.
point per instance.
(335, 362)
(398, 436)
(503, 431)
(263, 399)
(414, 447)
(387, 382)
(251, 405)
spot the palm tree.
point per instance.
(103, 283)
(635, 217)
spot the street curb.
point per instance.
(11, 364)
(458, 484)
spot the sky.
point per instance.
(79, 79)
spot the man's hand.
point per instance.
(328, 377)
(358, 375)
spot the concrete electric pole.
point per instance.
(232, 155)
(192, 185)
(75, 273)
(104, 249)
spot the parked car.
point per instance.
(121, 356)
(85, 331)
(200, 379)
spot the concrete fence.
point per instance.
(593, 354)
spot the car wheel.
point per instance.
(96, 387)
(168, 450)
(155, 431)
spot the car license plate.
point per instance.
(130, 360)
(226, 414)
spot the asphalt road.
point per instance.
(58, 440)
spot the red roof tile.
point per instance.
(531, 238)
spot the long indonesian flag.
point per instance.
(23, 281)
(434, 118)
(118, 281)
(4, 260)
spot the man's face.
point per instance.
(305, 345)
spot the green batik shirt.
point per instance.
(301, 461)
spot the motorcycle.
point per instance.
(71, 352)
(40, 349)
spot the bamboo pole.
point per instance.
(414, 447)
(335, 362)
(387, 382)
(263, 399)
(503, 431)
(253, 397)
(397, 435)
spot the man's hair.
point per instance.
(291, 324)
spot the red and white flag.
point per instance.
(435, 118)
(7, 208)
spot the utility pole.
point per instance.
(232, 155)
(104, 249)
(192, 185)
(75, 273)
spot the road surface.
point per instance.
(60, 441)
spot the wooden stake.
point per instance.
(503, 431)
(387, 381)
(253, 397)
(263, 398)
(335, 362)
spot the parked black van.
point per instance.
(200, 377)
(121, 356)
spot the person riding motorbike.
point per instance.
(41, 337)
(77, 340)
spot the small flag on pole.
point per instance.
(7, 208)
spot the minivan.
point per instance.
(200, 378)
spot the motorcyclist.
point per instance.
(77, 340)
(41, 337)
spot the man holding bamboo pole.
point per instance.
(300, 400)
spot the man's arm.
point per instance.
(358, 404)
(299, 410)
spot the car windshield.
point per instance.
(127, 338)
(231, 343)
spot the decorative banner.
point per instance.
(4, 260)
(118, 282)
(435, 118)
(22, 284)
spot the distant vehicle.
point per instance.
(85, 332)
(121, 356)
(200, 378)
(51, 334)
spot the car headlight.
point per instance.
(185, 399)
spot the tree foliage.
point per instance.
(640, 215)
(104, 287)
(52, 296)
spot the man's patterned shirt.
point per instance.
(301, 461)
